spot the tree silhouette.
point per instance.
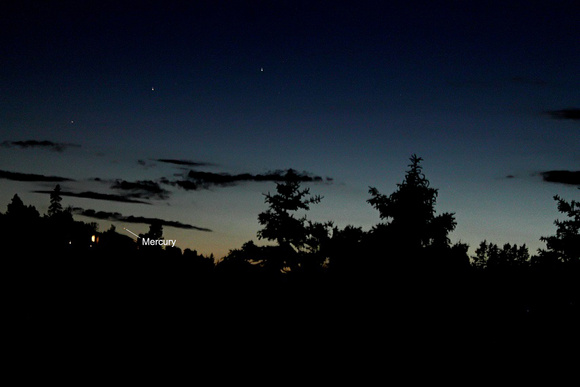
(55, 199)
(116, 245)
(316, 252)
(199, 263)
(155, 231)
(248, 259)
(343, 271)
(17, 211)
(280, 223)
(19, 224)
(565, 245)
(345, 250)
(491, 256)
(410, 212)
(15, 207)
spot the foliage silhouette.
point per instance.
(404, 267)
(344, 245)
(410, 211)
(155, 231)
(413, 240)
(490, 256)
(55, 199)
(565, 245)
(19, 213)
(298, 239)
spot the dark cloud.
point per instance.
(98, 196)
(146, 164)
(565, 114)
(115, 216)
(17, 176)
(562, 177)
(184, 162)
(44, 144)
(143, 189)
(197, 180)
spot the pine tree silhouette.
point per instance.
(55, 199)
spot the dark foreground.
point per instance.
(152, 320)
(100, 293)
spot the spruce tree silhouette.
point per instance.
(412, 227)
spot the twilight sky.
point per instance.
(189, 111)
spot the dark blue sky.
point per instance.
(346, 90)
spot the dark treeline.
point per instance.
(404, 266)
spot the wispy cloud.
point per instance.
(184, 162)
(43, 144)
(98, 196)
(145, 164)
(17, 176)
(196, 180)
(143, 189)
(562, 177)
(115, 216)
(565, 114)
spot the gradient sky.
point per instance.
(486, 92)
